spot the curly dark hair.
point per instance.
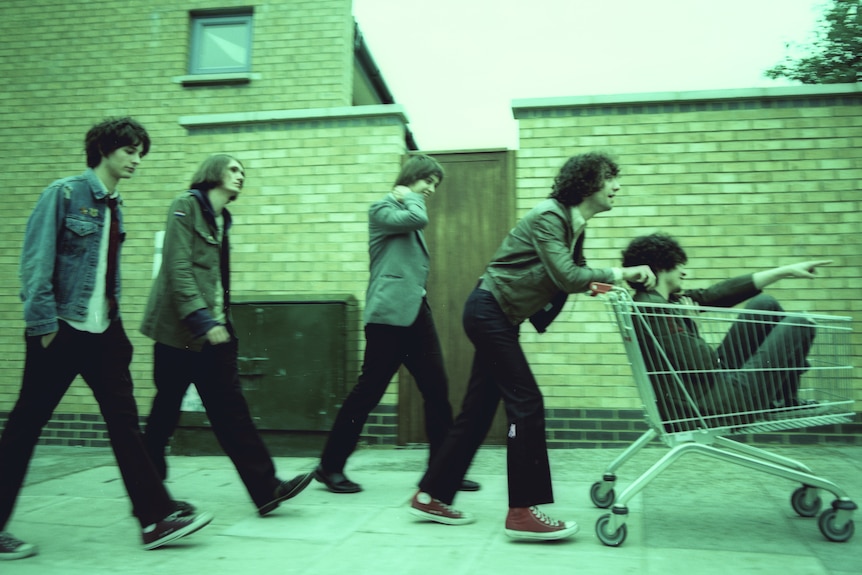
(582, 176)
(111, 134)
(659, 251)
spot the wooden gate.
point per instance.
(470, 214)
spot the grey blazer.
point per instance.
(399, 260)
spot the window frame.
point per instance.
(199, 22)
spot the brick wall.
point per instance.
(746, 180)
(313, 162)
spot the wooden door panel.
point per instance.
(469, 215)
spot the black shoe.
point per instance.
(185, 509)
(286, 490)
(173, 527)
(467, 485)
(336, 482)
(13, 548)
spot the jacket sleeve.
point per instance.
(38, 258)
(178, 257)
(549, 232)
(727, 293)
(392, 217)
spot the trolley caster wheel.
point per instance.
(598, 500)
(614, 539)
(830, 531)
(803, 507)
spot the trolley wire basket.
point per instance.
(704, 373)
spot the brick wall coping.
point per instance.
(527, 107)
(300, 115)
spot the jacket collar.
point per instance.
(209, 213)
(650, 296)
(97, 188)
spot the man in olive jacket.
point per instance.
(188, 315)
(539, 259)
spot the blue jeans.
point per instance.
(500, 371)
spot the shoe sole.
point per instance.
(319, 477)
(548, 536)
(299, 488)
(29, 551)
(202, 521)
(439, 518)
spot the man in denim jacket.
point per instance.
(70, 289)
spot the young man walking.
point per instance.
(539, 262)
(71, 291)
(188, 316)
(399, 328)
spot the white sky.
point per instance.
(456, 65)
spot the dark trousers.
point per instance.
(766, 356)
(214, 372)
(500, 371)
(387, 347)
(102, 360)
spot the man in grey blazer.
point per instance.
(399, 328)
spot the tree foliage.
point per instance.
(835, 56)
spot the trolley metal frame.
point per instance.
(827, 380)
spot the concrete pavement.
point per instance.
(700, 517)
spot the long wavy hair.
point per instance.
(210, 174)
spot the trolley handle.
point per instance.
(597, 288)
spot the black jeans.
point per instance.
(102, 360)
(215, 374)
(387, 347)
(500, 371)
(766, 356)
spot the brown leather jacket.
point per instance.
(538, 259)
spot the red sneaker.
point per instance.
(528, 523)
(426, 507)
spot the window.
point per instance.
(221, 44)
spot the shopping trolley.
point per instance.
(692, 406)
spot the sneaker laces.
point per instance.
(448, 508)
(8, 541)
(544, 518)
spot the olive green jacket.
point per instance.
(181, 307)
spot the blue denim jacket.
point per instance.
(61, 252)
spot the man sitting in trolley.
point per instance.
(760, 360)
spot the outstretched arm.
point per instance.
(807, 270)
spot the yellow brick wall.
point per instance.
(746, 180)
(301, 224)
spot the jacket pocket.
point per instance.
(206, 249)
(76, 235)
